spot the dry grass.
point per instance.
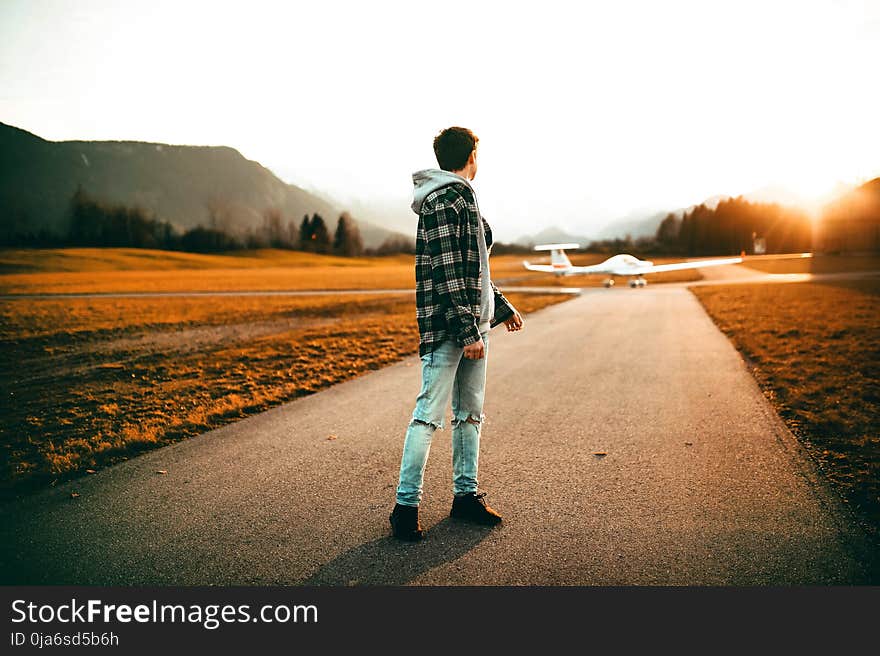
(87, 382)
(815, 350)
(86, 318)
(119, 270)
(62, 260)
(816, 264)
(391, 275)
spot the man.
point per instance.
(456, 305)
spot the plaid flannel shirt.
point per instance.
(448, 284)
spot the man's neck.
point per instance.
(465, 173)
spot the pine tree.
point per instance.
(305, 234)
(667, 232)
(320, 237)
(340, 237)
(347, 239)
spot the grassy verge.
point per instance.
(65, 260)
(87, 382)
(816, 264)
(815, 350)
(120, 270)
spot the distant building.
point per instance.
(851, 224)
(759, 245)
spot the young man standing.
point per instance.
(456, 305)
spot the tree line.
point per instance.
(97, 223)
(731, 227)
(852, 222)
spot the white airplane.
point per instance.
(618, 265)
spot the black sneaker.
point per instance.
(405, 523)
(473, 508)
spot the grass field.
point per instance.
(815, 351)
(89, 381)
(95, 270)
(60, 260)
(816, 264)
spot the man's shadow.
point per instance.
(389, 561)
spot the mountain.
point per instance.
(552, 235)
(644, 223)
(712, 202)
(184, 185)
(636, 224)
(393, 213)
(774, 194)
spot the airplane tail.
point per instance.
(558, 259)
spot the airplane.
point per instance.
(618, 265)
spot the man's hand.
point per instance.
(474, 351)
(514, 322)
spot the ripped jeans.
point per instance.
(445, 370)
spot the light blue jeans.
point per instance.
(445, 371)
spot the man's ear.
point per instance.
(472, 161)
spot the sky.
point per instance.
(585, 111)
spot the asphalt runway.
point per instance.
(700, 482)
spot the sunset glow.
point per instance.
(585, 111)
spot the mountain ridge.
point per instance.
(187, 185)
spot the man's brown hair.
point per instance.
(453, 146)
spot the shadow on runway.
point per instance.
(388, 561)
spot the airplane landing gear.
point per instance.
(637, 282)
(609, 282)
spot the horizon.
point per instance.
(614, 126)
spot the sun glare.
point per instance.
(587, 111)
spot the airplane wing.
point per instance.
(546, 268)
(678, 266)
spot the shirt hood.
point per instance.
(427, 181)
